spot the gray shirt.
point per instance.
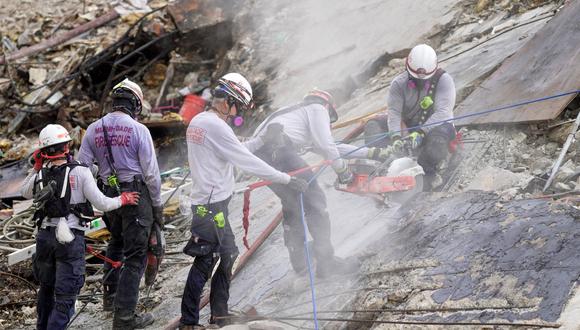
(132, 149)
(405, 99)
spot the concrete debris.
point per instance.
(497, 179)
(560, 133)
(37, 76)
(483, 241)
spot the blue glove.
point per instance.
(416, 139)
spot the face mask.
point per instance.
(237, 121)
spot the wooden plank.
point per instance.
(60, 38)
(546, 65)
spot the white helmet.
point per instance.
(133, 88)
(52, 135)
(236, 86)
(421, 62)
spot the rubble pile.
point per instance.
(164, 47)
(488, 273)
(524, 153)
(176, 49)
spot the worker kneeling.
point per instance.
(420, 103)
(64, 190)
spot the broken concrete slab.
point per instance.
(484, 252)
(497, 179)
(296, 34)
(540, 68)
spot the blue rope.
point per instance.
(380, 137)
(501, 108)
(308, 261)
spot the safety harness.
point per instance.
(58, 205)
(278, 113)
(113, 178)
(426, 105)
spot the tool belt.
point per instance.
(207, 229)
(137, 185)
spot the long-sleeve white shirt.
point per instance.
(83, 187)
(213, 150)
(309, 127)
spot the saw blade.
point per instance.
(401, 197)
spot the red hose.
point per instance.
(248, 191)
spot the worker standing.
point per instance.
(67, 190)
(288, 131)
(124, 151)
(421, 99)
(213, 151)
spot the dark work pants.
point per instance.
(433, 151)
(130, 227)
(60, 269)
(202, 267)
(286, 159)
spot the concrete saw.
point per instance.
(397, 180)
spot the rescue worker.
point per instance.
(59, 261)
(123, 149)
(213, 151)
(288, 131)
(422, 95)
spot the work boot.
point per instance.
(222, 321)
(132, 321)
(337, 266)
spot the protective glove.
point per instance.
(158, 216)
(298, 184)
(38, 159)
(397, 144)
(345, 175)
(380, 154)
(274, 135)
(416, 139)
(129, 198)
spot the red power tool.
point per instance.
(114, 264)
(396, 180)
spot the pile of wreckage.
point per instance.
(59, 67)
(177, 49)
(58, 64)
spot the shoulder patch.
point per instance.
(73, 180)
(196, 135)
